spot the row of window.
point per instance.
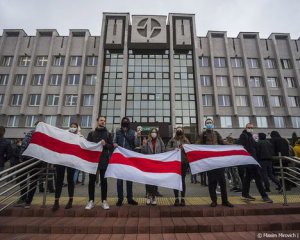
(14, 121)
(261, 122)
(240, 81)
(243, 101)
(237, 62)
(42, 61)
(54, 80)
(51, 100)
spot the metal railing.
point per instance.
(22, 178)
(288, 173)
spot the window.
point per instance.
(253, 63)
(258, 101)
(226, 122)
(219, 62)
(30, 120)
(3, 79)
(88, 100)
(286, 63)
(290, 82)
(24, 61)
(13, 121)
(52, 99)
(20, 80)
(7, 61)
(296, 122)
(90, 80)
(298, 62)
(261, 122)
(272, 82)
(270, 63)
(16, 100)
(73, 79)
(243, 121)
(207, 100)
(255, 82)
(66, 121)
(205, 80)
(37, 80)
(71, 100)
(241, 101)
(55, 80)
(294, 101)
(1, 99)
(86, 121)
(75, 61)
(41, 61)
(279, 122)
(204, 61)
(92, 61)
(276, 101)
(58, 61)
(34, 99)
(236, 62)
(222, 81)
(51, 120)
(239, 81)
(224, 100)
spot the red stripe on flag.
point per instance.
(146, 165)
(61, 147)
(200, 155)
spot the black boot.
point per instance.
(55, 206)
(69, 204)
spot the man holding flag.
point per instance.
(215, 176)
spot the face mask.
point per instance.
(179, 133)
(153, 135)
(72, 130)
(19, 144)
(209, 126)
(249, 130)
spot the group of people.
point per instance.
(126, 137)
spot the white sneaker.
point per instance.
(148, 201)
(105, 205)
(90, 205)
(153, 201)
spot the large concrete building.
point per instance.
(153, 69)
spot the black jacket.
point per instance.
(280, 144)
(248, 143)
(96, 136)
(264, 150)
(5, 151)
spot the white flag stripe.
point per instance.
(220, 162)
(125, 172)
(52, 157)
(165, 157)
(214, 148)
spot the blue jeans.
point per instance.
(128, 190)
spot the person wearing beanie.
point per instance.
(265, 153)
(215, 176)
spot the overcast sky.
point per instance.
(233, 16)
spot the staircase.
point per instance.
(143, 222)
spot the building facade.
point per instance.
(153, 69)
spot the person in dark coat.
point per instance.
(100, 134)
(127, 138)
(281, 145)
(5, 149)
(251, 171)
(215, 176)
(265, 153)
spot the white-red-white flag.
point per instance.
(203, 158)
(163, 169)
(58, 146)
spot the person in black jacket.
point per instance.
(265, 153)
(281, 145)
(5, 149)
(251, 171)
(100, 134)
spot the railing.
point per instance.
(288, 173)
(20, 177)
